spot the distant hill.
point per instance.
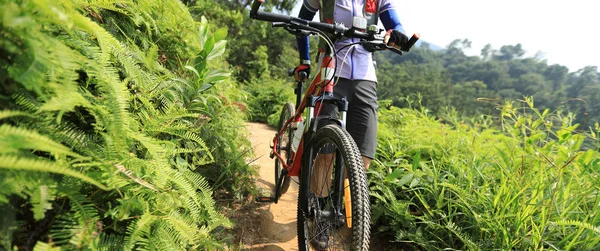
(433, 47)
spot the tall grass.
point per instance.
(527, 185)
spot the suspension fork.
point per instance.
(339, 184)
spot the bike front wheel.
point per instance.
(333, 203)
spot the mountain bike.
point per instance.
(333, 199)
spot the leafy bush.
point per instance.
(266, 97)
(99, 137)
(528, 186)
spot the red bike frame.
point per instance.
(323, 82)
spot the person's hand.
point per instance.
(302, 68)
(396, 39)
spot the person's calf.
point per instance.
(366, 162)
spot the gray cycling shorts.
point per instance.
(361, 119)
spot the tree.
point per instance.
(510, 52)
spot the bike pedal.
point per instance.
(265, 199)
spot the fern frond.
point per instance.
(199, 182)
(111, 242)
(129, 174)
(81, 206)
(66, 99)
(186, 228)
(25, 164)
(198, 203)
(139, 229)
(41, 200)
(8, 113)
(75, 138)
(152, 145)
(104, 4)
(64, 228)
(207, 158)
(458, 232)
(169, 239)
(580, 224)
(14, 138)
(177, 151)
(42, 246)
(26, 101)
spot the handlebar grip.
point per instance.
(255, 5)
(415, 37)
(291, 72)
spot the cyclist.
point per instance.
(356, 72)
(357, 80)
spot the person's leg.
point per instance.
(362, 119)
(321, 179)
(366, 161)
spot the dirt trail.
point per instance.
(274, 225)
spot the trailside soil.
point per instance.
(265, 226)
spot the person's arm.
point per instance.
(307, 12)
(390, 20)
(389, 17)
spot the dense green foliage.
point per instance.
(474, 85)
(108, 121)
(119, 119)
(455, 174)
(528, 186)
(260, 55)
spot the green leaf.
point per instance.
(216, 75)
(208, 47)
(217, 50)
(415, 182)
(394, 175)
(220, 34)
(205, 87)
(203, 32)
(405, 179)
(193, 70)
(588, 156)
(416, 160)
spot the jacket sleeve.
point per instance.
(389, 16)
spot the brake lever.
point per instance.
(372, 47)
(394, 49)
(293, 31)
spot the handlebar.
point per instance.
(336, 29)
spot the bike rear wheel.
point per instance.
(332, 157)
(284, 146)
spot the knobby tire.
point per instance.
(353, 166)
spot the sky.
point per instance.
(565, 32)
